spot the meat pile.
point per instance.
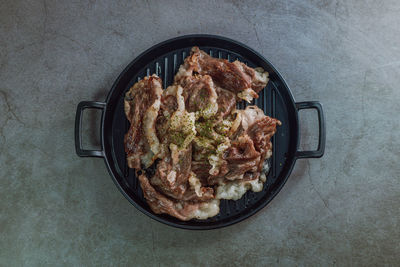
(202, 147)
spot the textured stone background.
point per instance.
(58, 209)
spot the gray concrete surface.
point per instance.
(58, 209)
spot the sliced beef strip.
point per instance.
(199, 92)
(160, 203)
(172, 173)
(240, 158)
(141, 105)
(201, 169)
(261, 133)
(226, 102)
(235, 77)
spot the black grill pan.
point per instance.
(164, 60)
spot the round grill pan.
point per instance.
(164, 60)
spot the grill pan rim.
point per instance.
(107, 148)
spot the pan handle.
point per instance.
(322, 130)
(78, 129)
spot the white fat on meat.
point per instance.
(250, 115)
(148, 158)
(149, 121)
(206, 210)
(215, 160)
(195, 184)
(236, 189)
(171, 177)
(183, 72)
(261, 75)
(236, 123)
(247, 95)
(176, 90)
(264, 171)
(182, 120)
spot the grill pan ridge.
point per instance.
(164, 60)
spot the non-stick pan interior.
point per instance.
(275, 100)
